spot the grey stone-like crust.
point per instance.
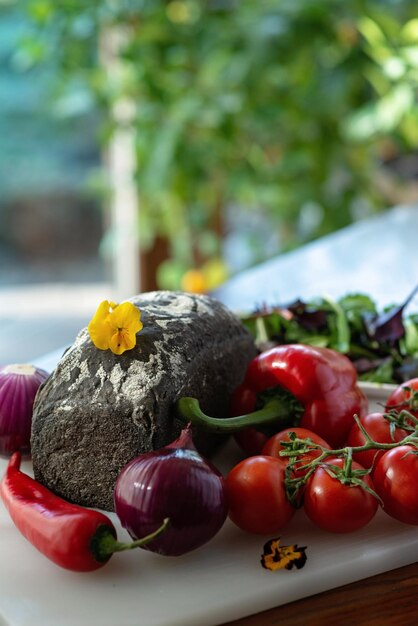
(97, 410)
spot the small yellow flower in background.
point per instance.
(215, 272)
(114, 326)
(193, 281)
(212, 274)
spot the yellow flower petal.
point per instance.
(126, 316)
(99, 328)
(102, 311)
(121, 341)
(114, 326)
(100, 334)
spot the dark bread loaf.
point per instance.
(97, 410)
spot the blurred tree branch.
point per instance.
(293, 107)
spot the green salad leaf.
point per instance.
(382, 345)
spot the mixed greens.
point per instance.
(383, 345)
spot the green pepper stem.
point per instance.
(275, 410)
(106, 544)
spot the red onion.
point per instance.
(174, 482)
(18, 387)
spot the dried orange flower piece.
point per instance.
(276, 557)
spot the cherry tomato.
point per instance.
(378, 428)
(273, 446)
(400, 398)
(396, 479)
(257, 497)
(336, 507)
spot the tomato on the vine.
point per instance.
(273, 447)
(335, 506)
(405, 397)
(396, 479)
(378, 429)
(257, 497)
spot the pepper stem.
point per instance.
(104, 544)
(274, 410)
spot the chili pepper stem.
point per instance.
(274, 410)
(104, 544)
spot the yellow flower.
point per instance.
(114, 326)
(215, 272)
(193, 281)
(212, 274)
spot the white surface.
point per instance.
(377, 256)
(221, 581)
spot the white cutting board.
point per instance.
(220, 582)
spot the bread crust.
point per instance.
(98, 410)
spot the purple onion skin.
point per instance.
(174, 482)
(18, 387)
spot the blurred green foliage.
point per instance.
(290, 107)
(49, 152)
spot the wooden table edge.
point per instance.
(388, 599)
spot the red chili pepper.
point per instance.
(290, 385)
(75, 538)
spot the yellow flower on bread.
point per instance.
(114, 326)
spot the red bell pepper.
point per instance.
(290, 385)
(71, 536)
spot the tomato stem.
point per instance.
(348, 463)
(369, 445)
(296, 448)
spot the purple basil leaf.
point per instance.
(363, 365)
(388, 326)
(311, 320)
